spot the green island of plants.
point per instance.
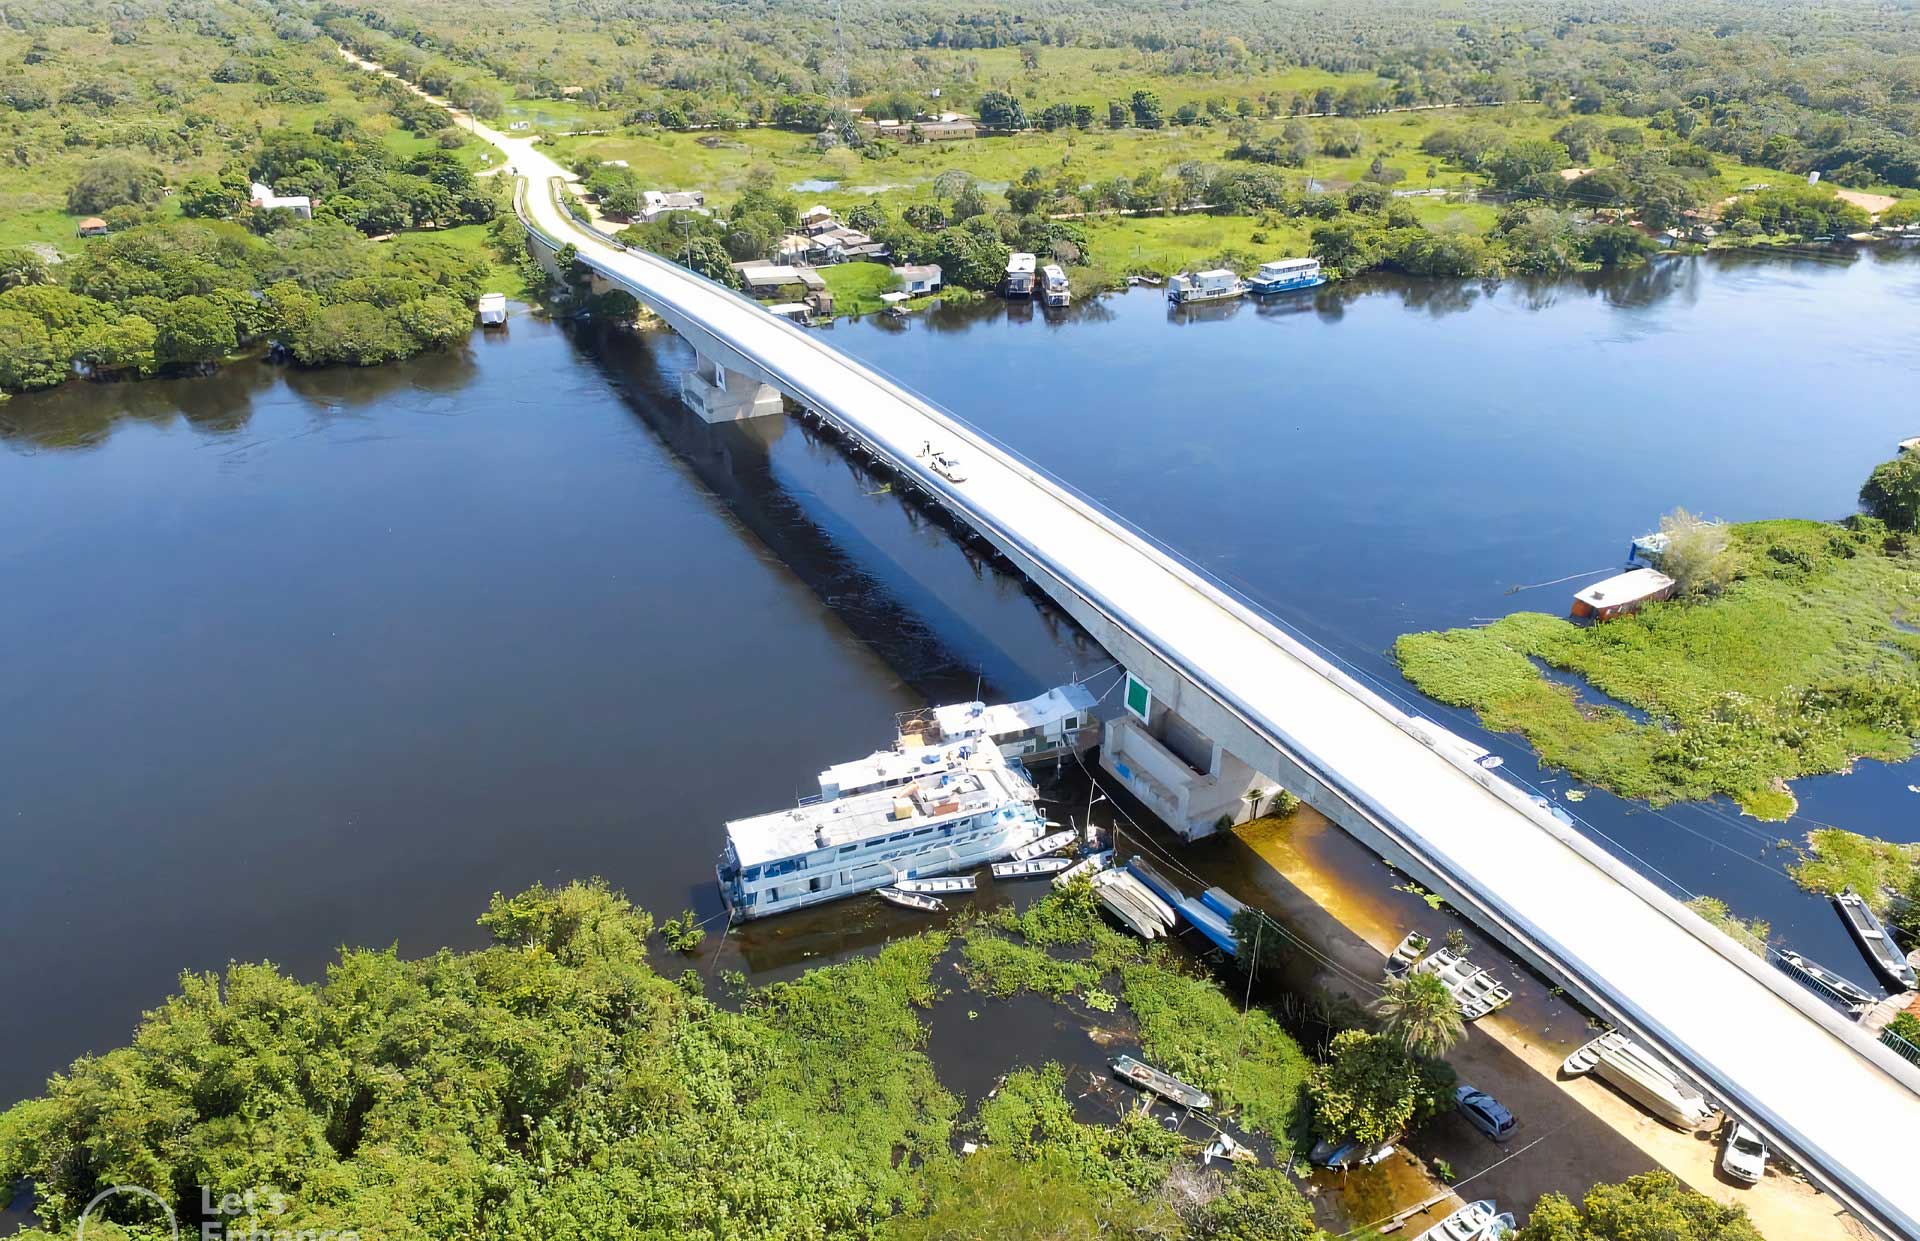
(1790, 653)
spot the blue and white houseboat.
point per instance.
(1056, 724)
(906, 813)
(1286, 276)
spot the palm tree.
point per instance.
(1420, 1012)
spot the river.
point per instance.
(301, 659)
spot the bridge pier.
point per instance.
(719, 393)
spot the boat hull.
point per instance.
(1268, 288)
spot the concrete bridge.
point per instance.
(1221, 701)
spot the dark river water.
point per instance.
(302, 659)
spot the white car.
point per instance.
(1744, 1157)
(947, 466)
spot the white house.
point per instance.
(917, 278)
(265, 199)
(657, 203)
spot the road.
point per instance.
(1737, 1027)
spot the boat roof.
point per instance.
(1052, 271)
(1289, 264)
(492, 300)
(1217, 272)
(967, 719)
(1625, 588)
(980, 784)
(1020, 261)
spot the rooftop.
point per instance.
(976, 783)
(967, 719)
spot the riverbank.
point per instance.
(1804, 664)
(1572, 1134)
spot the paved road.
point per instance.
(1743, 1032)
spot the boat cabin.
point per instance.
(1058, 722)
(1283, 275)
(1054, 290)
(1206, 286)
(959, 807)
(1622, 593)
(1019, 275)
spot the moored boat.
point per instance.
(947, 883)
(912, 900)
(1121, 894)
(1469, 1223)
(1287, 276)
(1882, 953)
(1031, 868)
(1162, 1083)
(1642, 1077)
(1218, 285)
(1092, 864)
(1622, 593)
(1823, 982)
(1043, 846)
(1406, 954)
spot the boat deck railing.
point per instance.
(1900, 1046)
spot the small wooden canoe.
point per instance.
(949, 883)
(1031, 868)
(1164, 1084)
(1406, 953)
(913, 900)
(1043, 846)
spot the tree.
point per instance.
(113, 181)
(21, 266)
(1420, 1013)
(194, 330)
(1892, 492)
(1528, 166)
(971, 254)
(1653, 1204)
(27, 355)
(1370, 1088)
(1117, 114)
(1146, 110)
(1260, 1204)
(999, 110)
(708, 257)
(208, 197)
(1697, 557)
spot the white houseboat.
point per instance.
(1055, 724)
(1218, 285)
(899, 814)
(1020, 275)
(493, 309)
(1286, 275)
(1054, 290)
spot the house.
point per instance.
(763, 277)
(945, 129)
(916, 278)
(657, 203)
(265, 199)
(93, 226)
(817, 219)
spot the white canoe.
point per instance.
(1092, 864)
(913, 900)
(1129, 900)
(950, 883)
(1031, 868)
(1043, 846)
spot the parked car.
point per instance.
(1484, 1112)
(1744, 1157)
(947, 466)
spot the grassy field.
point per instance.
(1801, 666)
(857, 287)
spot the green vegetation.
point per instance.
(1749, 933)
(1371, 1089)
(1799, 666)
(1837, 860)
(1653, 1204)
(1892, 492)
(1419, 1013)
(856, 287)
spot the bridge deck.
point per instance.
(1816, 1087)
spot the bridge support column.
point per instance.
(719, 394)
(1193, 783)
